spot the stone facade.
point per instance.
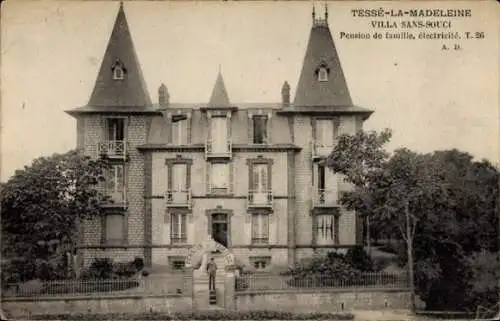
(146, 193)
(297, 222)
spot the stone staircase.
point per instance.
(204, 298)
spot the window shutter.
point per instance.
(250, 128)
(207, 177)
(188, 129)
(254, 226)
(268, 129)
(265, 226)
(125, 128)
(183, 226)
(210, 123)
(265, 178)
(172, 226)
(336, 230)
(336, 123)
(228, 127)
(313, 128)
(231, 178)
(254, 178)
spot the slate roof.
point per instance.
(129, 92)
(321, 50)
(219, 97)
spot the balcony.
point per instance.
(260, 199)
(325, 198)
(115, 199)
(178, 198)
(113, 149)
(218, 150)
(321, 150)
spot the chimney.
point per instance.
(163, 96)
(285, 94)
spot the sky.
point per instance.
(431, 99)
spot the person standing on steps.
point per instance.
(211, 270)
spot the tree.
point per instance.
(392, 190)
(442, 205)
(360, 157)
(42, 204)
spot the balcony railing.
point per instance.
(218, 150)
(115, 199)
(325, 198)
(260, 199)
(113, 148)
(178, 198)
(321, 150)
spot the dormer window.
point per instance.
(118, 70)
(322, 72)
(118, 73)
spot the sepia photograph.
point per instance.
(250, 160)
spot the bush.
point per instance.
(17, 270)
(104, 268)
(124, 270)
(332, 270)
(145, 272)
(359, 259)
(138, 263)
(88, 286)
(101, 268)
(202, 315)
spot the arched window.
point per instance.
(322, 74)
(118, 70)
(118, 73)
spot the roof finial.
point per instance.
(326, 11)
(314, 13)
(121, 4)
(219, 68)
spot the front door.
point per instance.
(220, 229)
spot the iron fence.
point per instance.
(362, 281)
(151, 285)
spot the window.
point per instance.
(219, 135)
(260, 184)
(179, 189)
(325, 186)
(260, 129)
(115, 183)
(219, 178)
(180, 130)
(118, 70)
(260, 229)
(260, 178)
(179, 177)
(322, 74)
(177, 265)
(118, 73)
(324, 131)
(176, 262)
(260, 262)
(178, 228)
(326, 230)
(116, 129)
(114, 229)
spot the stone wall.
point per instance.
(96, 305)
(291, 301)
(323, 300)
